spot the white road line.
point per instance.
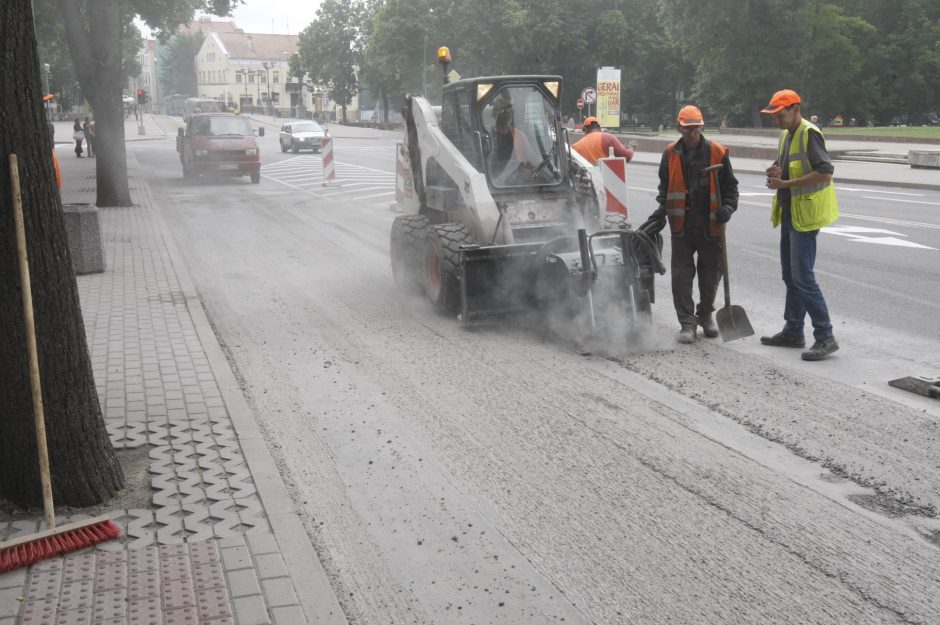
(369, 197)
(840, 188)
(381, 171)
(897, 199)
(888, 220)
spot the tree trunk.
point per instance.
(385, 107)
(95, 45)
(85, 470)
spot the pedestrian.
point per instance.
(89, 129)
(596, 143)
(79, 136)
(804, 203)
(689, 200)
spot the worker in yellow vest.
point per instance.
(804, 203)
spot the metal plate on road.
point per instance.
(589, 95)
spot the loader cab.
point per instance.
(508, 128)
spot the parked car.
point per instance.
(301, 135)
(221, 144)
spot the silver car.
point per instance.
(301, 135)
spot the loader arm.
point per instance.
(431, 143)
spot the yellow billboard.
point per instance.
(608, 97)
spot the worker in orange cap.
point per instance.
(688, 199)
(55, 160)
(805, 202)
(596, 143)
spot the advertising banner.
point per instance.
(608, 96)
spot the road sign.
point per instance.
(580, 103)
(589, 95)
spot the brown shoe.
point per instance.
(686, 335)
(709, 329)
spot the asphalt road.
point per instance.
(495, 475)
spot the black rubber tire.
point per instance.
(188, 173)
(294, 148)
(406, 249)
(255, 178)
(442, 265)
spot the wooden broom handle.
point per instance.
(44, 474)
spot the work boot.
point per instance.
(686, 335)
(821, 349)
(781, 339)
(709, 329)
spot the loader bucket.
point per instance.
(497, 280)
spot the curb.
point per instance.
(314, 591)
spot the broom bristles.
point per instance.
(46, 546)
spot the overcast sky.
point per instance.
(271, 16)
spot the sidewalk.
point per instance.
(210, 533)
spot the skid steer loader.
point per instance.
(505, 217)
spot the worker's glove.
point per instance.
(656, 221)
(724, 214)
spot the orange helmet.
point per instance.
(590, 121)
(690, 116)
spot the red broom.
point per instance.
(55, 540)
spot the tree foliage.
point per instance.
(330, 49)
(860, 58)
(176, 66)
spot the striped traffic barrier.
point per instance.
(329, 170)
(404, 186)
(614, 176)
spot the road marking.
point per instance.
(858, 234)
(896, 222)
(897, 199)
(841, 188)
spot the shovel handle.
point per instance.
(713, 172)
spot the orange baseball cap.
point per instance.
(47, 97)
(589, 121)
(690, 116)
(781, 100)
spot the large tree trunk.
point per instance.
(95, 45)
(85, 470)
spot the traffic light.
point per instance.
(141, 96)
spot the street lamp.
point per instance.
(244, 74)
(257, 75)
(267, 78)
(45, 87)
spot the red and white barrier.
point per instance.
(404, 185)
(614, 175)
(329, 171)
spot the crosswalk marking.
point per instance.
(305, 173)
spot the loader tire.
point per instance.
(442, 265)
(407, 251)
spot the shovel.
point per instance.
(732, 320)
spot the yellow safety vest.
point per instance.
(811, 208)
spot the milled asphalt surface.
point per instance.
(144, 313)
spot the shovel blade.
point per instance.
(733, 323)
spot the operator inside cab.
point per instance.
(509, 144)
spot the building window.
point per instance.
(251, 76)
(274, 77)
(264, 77)
(238, 76)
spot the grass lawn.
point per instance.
(929, 132)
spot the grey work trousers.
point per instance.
(693, 252)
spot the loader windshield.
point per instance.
(523, 142)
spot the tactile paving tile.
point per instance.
(169, 551)
(110, 576)
(139, 560)
(204, 552)
(208, 575)
(213, 603)
(178, 593)
(182, 616)
(79, 567)
(76, 595)
(110, 605)
(175, 567)
(145, 611)
(39, 611)
(44, 583)
(81, 616)
(143, 584)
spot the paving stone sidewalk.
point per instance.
(206, 544)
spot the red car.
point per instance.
(219, 144)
